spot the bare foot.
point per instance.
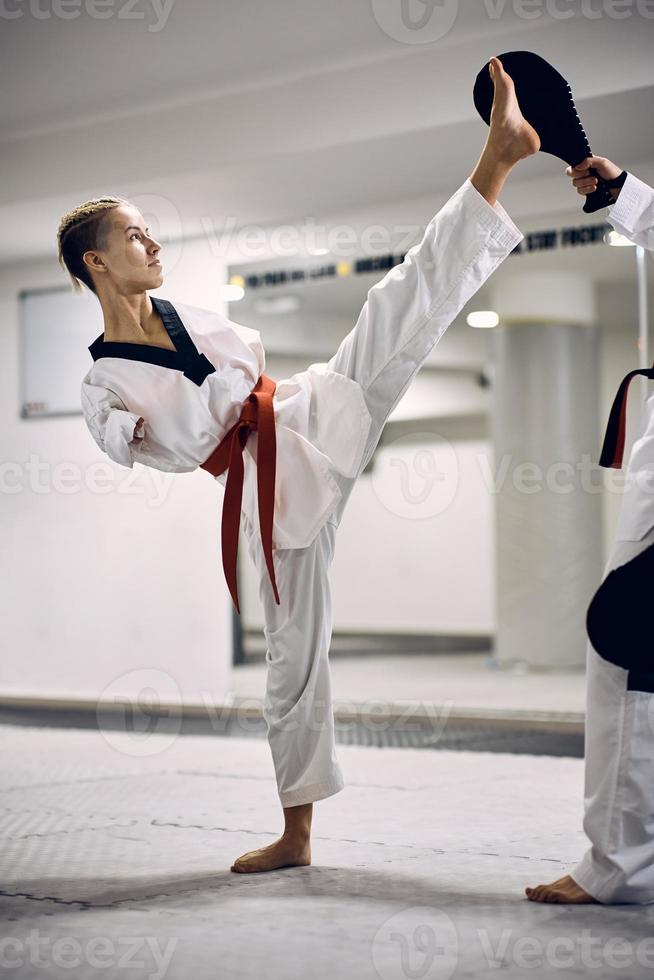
(284, 853)
(565, 891)
(511, 136)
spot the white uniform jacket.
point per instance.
(321, 418)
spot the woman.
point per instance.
(173, 387)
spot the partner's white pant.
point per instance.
(619, 784)
(404, 316)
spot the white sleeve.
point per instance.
(633, 213)
(462, 245)
(118, 433)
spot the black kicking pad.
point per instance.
(619, 616)
(546, 102)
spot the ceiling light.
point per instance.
(483, 319)
(276, 304)
(231, 293)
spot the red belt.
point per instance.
(616, 430)
(257, 415)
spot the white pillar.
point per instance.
(545, 424)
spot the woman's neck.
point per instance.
(129, 318)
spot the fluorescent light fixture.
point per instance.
(482, 319)
(231, 293)
(615, 238)
(270, 305)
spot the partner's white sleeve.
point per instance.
(632, 215)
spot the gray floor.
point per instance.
(116, 850)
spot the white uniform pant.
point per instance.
(619, 783)
(404, 316)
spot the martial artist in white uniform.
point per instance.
(619, 779)
(170, 408)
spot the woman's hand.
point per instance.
(585, 182)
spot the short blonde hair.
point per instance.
(81, 230)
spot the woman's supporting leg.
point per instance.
(298, 701)
(619, 782)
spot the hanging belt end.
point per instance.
(612, 455)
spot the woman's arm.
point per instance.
(632, 214)
(118, 432)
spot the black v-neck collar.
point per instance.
(185, 358)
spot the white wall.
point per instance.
(396, 571)
(105, 593)
(436, 574)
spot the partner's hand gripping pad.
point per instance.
(546, 102)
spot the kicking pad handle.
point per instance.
(601, 196)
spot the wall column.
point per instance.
(546, 439)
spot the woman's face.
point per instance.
(128, 257)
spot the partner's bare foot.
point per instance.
(565, 891)
(284, 853)
(511, 136)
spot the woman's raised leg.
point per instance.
(408, 311)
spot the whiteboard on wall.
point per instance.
(56, 328)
